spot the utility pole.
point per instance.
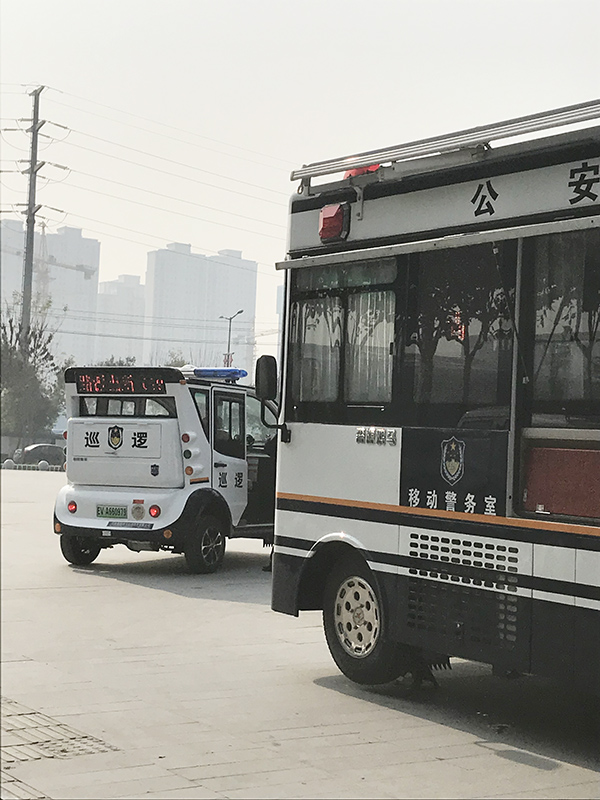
(228, 358)
(32, 210)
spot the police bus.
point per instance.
(438, 489)
(165, 459)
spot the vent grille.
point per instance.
(468, 553)
(463, 614)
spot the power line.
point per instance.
(271, 272)
(163, 158)
(183, 214)
(179, 177)
(166, 196)
(139, 319)
(155, 122)
(145, 338)
(172, 138)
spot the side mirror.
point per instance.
(266, 378)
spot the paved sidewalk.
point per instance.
(131, 678)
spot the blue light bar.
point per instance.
(220, 373)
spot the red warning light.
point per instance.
(334, 222)
(353, 173)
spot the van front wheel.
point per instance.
(355, 625)
(205, 548)
(77, 550)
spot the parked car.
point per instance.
(35, 453)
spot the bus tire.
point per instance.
(77, 550)
(355, 625)
(205, 548)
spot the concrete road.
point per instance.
(131, 678)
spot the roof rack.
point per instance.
(471, 137)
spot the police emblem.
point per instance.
(154, 470)
(115, 437)
(452, 465)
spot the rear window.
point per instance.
(127, 407)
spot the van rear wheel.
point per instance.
(77, 550)
(205, 549)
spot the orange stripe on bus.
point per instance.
(199, 480)
(487, 519)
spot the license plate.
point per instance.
(111, 512)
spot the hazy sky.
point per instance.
(181, 120)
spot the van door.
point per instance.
(230, 471)
(261, 446)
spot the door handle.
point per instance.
(218, 464)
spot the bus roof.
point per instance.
(471, 137)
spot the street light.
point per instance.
(227, 360)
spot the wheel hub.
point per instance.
(357, 617)
(211, 545)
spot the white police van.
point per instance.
(165, 459)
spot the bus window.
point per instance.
(458, 352)
(566, 362)
(315, 344)
(367, 357)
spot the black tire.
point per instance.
(355, 625)
(205, 547)
(77, 550)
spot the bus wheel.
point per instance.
(205, 548)
(77, 550)
(355, 626)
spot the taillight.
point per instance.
(154, 511)
(334, 222)
(64, 434)
(185, 437)
(72, 506)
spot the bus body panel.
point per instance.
(443, 398)
(371, 471)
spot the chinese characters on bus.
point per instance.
(459, 471)
(582, 183)
(583, 180)
(483, 198)
(451, 501)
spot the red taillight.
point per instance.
(334, 222)
(154, 511)
(64, 434)
(72, 506)
(185, 437)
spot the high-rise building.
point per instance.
(188, 295)
(64, 287)
(12, 249)
(120, 319)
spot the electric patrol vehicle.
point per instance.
(160, 458)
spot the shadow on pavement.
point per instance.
(549, 721)
(240, 579)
